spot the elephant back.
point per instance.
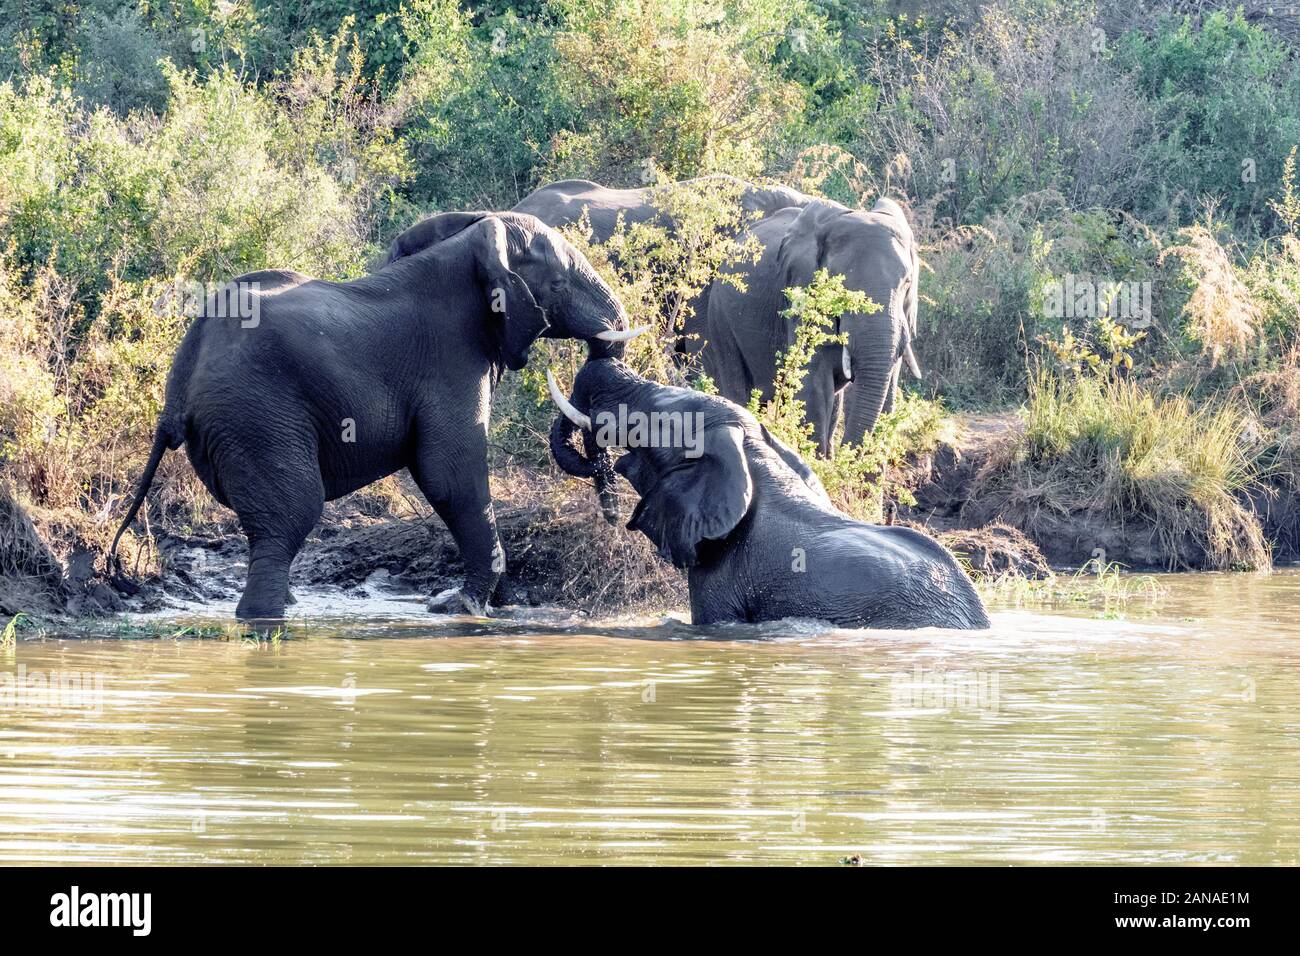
(429, 232)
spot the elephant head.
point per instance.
(876, 253)
(532, 276)
(685, 455)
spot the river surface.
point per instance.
(1164, 732)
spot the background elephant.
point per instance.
(330, 386)
(745, 331)
(563, 203)
(743, 514)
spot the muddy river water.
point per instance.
(1166, 732)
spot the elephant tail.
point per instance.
(164, 438)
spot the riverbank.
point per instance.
(561, 552)
(975, 478)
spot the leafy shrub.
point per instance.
(855, 476)
(674, 83)
(101, 215)
(1227, 94)
(119, 63)
(1026, 101)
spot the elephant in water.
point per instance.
(310, 389)
(744, 515)
(563, 203)
(746, 332)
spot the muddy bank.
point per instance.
(560, 552)
(956, 495)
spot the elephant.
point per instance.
(746, 518)
(315, 388)
(746, 331)
(563, 203)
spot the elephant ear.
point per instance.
(519, 319)
(803, 247)
(430, 232)
(700, 499)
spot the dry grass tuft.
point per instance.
(1117, 451)
(1221, 313)
(29, 571)
(558, 543)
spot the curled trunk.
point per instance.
(593, 462)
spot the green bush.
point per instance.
(1228, 99)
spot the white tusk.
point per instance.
(911, 360)
(613, 335)
(571, 413)
(847, 364)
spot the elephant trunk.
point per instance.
(873, 364)
(596, 464)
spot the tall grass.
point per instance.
(1094, 444)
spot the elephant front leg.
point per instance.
(469, 516)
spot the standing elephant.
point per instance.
(745, 331)
(563, 203)
(315, 389)
(745, 516)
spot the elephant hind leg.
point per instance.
(267, 588)
(277, 512)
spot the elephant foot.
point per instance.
(456, 601)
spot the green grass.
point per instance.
(1107, 589)
(1093, 444)
(9, 636)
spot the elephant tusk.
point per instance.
(911, 360)
(847, 363)
(571, 413)
(613, 335)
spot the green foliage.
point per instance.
(675, 84)
(101, 216)
(855, 476)
(9, 636)
(1111, 356)
(1228, 97)
(120, 63)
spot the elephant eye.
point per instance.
(559, 283)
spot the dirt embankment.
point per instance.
(561, 552)
(953, 488)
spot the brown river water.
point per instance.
(1167, 732)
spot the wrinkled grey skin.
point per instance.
(753, 527)
(340, 384)
(876, 253)
(563, 203)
